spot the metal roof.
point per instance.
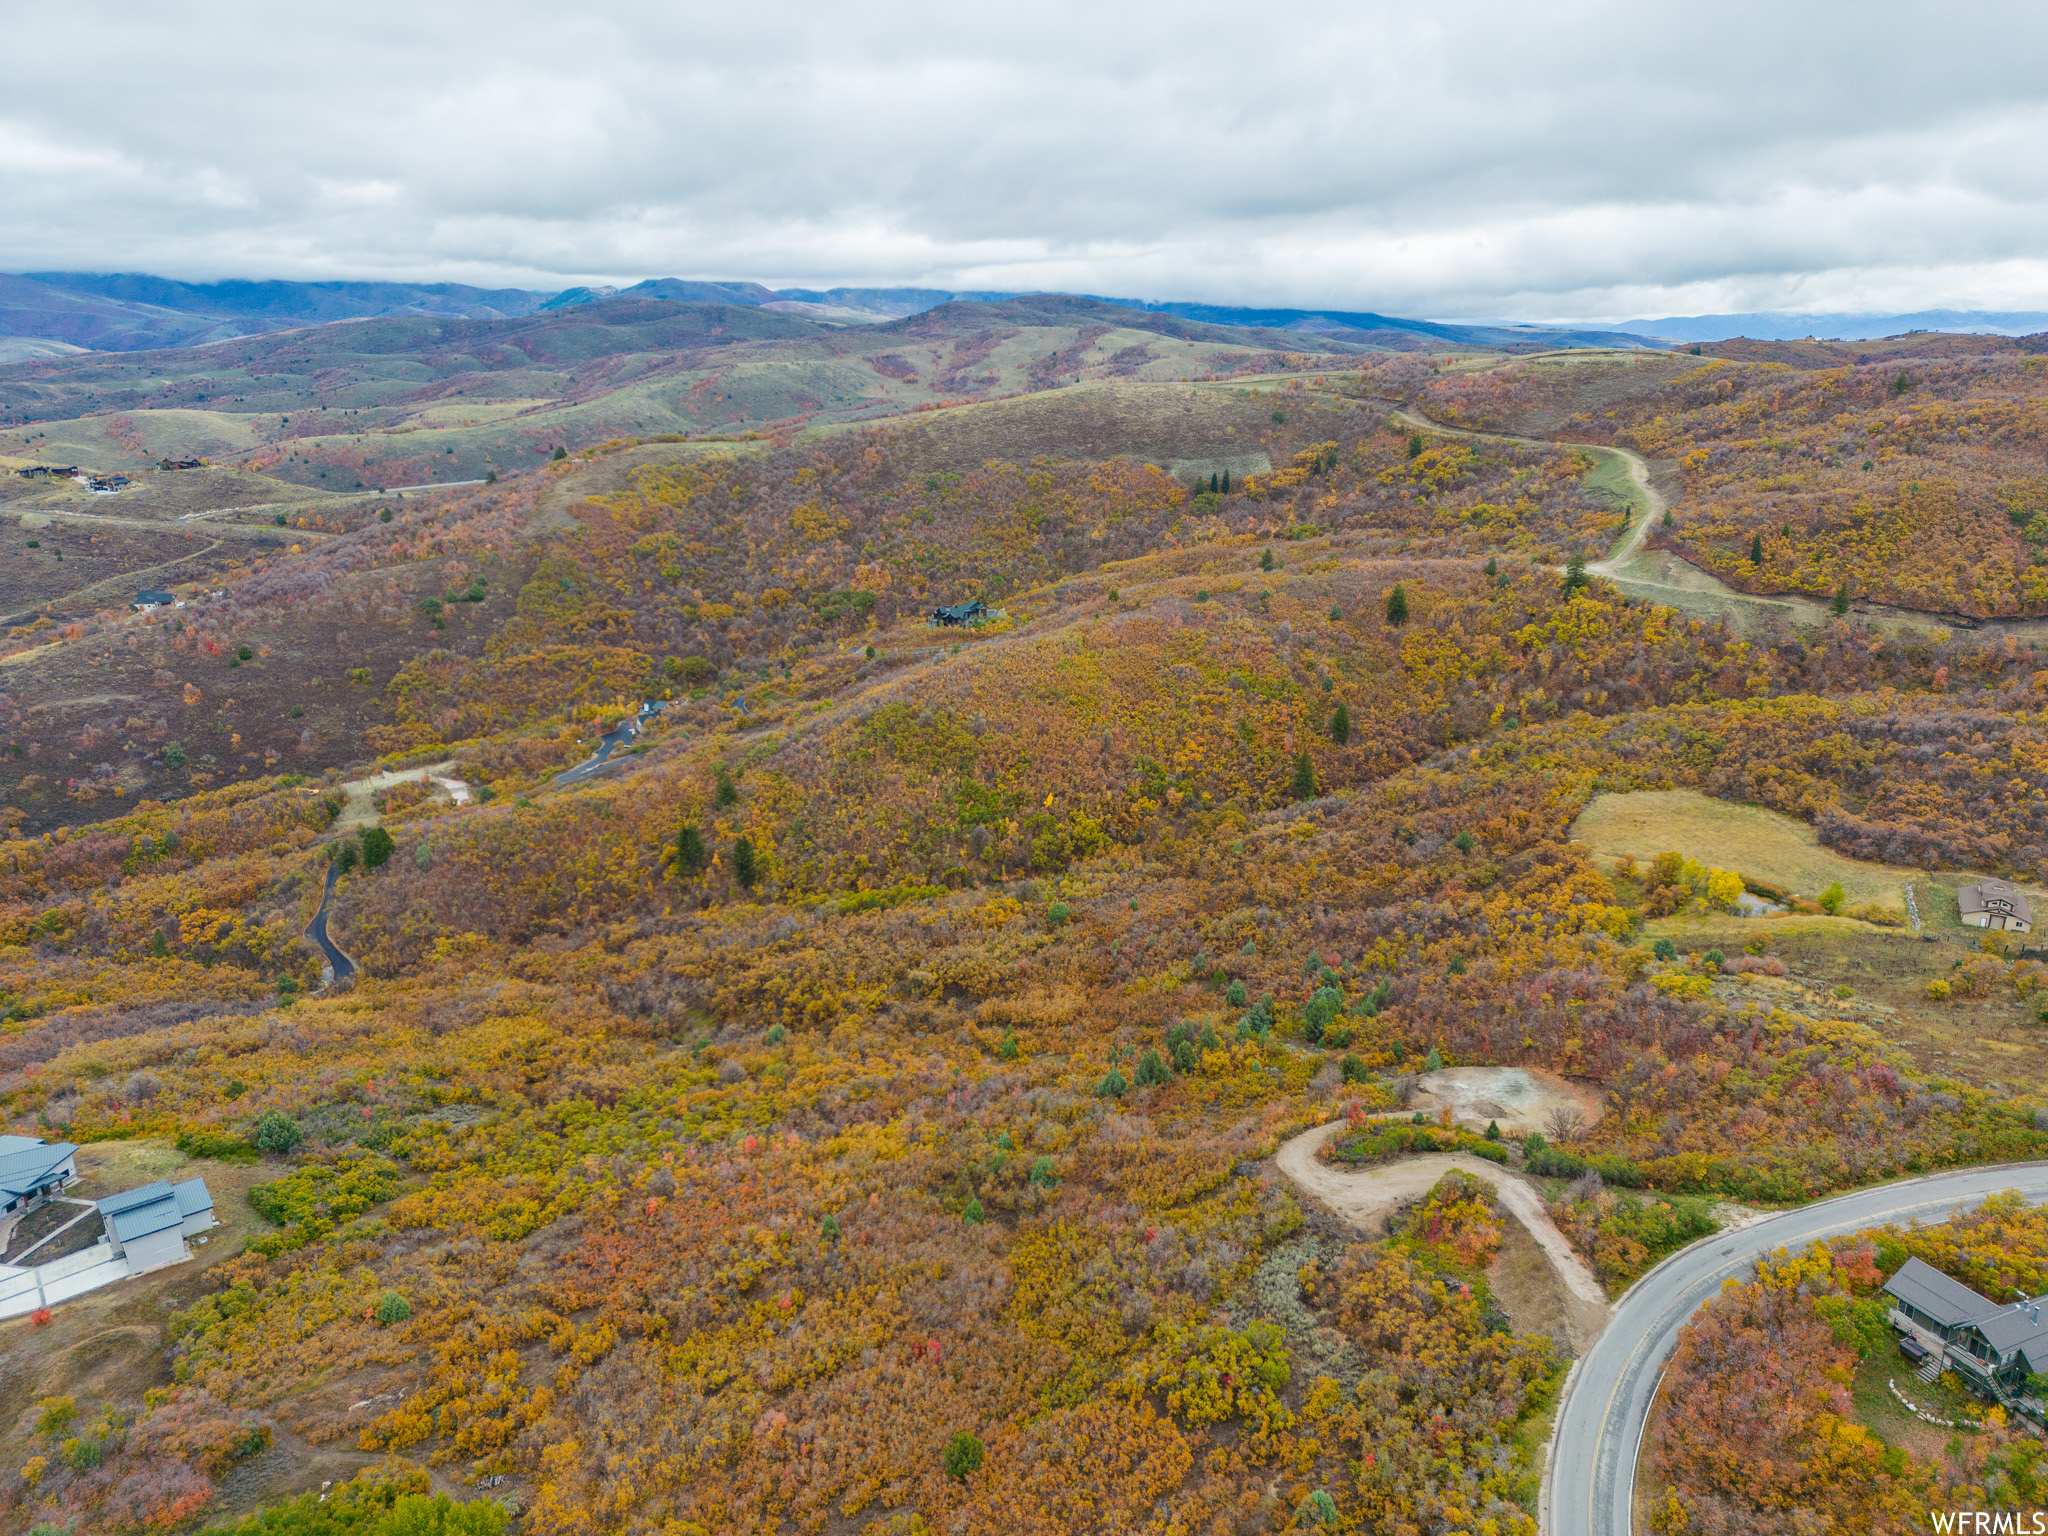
(27, 1162)
(193, 1197)
(1947, 1301)
(140, 1211)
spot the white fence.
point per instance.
(23, 1290)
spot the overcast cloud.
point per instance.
(1596, 161)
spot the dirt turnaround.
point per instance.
(1517, 1099)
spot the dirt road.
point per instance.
(1363, 1195)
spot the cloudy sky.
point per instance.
(1568, 160)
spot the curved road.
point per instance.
(339, 966)
(1590, 1488)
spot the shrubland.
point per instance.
(891, 1047)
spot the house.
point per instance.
(1996, 904)
(959, 613)
(107, 482)
(48, 472)
(1993, 1346)
(32, 1170)
(148, 1225)
(151, 599)
(180, 463)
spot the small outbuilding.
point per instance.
(1996, 904)
(148, 1225)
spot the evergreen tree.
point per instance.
(377, 846)
(1266, 560)
(1756, 549)
(1415, 445)
(1213, 483)
(1575, 572)
(728, 793)
(1226, 482)
(1304, 776)
(743, 866)
(1397, 605)
(690, 850)
(1340, 725)
(1434, 1062)
(1840, 603)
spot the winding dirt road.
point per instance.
(1361, 1195)
(1659, 575)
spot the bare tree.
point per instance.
(1565, 1123)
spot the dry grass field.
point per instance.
(1755, 843)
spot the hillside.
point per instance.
(856, 1104)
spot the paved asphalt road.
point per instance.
(340, 964)
(597, 759)
(1600, 1425)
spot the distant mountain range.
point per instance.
(1828, 327)
(50, 313)
(45, 314)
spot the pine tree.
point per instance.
(1304, 776)
(1397, 606)
(1266, 560)
(1840, 604)
(1226, 482)
(728, 792)
(690, 850)
(1415, 445)
(1575, 572)
(1756, 549)
(1340, 725)
(744, 869)
(1213, 485)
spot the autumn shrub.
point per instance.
(225, 1146)
(1623, 1236)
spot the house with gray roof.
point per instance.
(1993, 1346)
(32, 1170)
(1995, 904)
(148, 1225)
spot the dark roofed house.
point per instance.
(153, 599)
(1996, 904)
(1993, 1346)
(959, 613)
